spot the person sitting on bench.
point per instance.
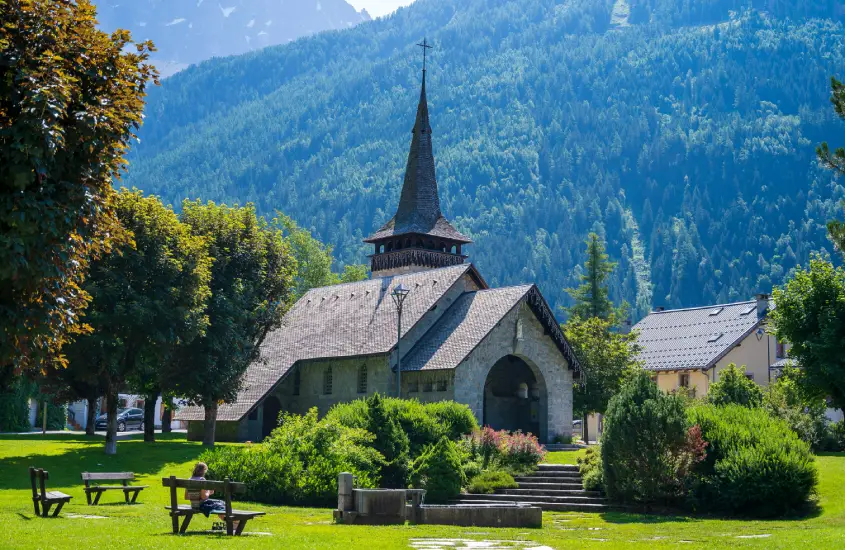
(199, 498)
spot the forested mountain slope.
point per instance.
(681, 130)
(190, 31)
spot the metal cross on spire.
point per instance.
(424, 45)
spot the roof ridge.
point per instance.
(746, 302)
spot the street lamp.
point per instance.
(399, 294)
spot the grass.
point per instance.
(146, 525)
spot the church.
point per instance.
(498, 350)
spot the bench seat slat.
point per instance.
(180, 483)
(103, 476)
(115, 487)
(55, 495)
(184, 509)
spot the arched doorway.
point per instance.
(270, 421)
(515, 397)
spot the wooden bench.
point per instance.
(40, 495)
(97, 490)
(227, 488)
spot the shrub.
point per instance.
(14, 406)
(645, 433)
(837, 436)
(734, 387)
(590, 468)
(755, 464)
(520, 452)
(488, 444)
(423, 423)
(438, 471)
(299, 462)
(487, 482)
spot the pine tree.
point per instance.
(835, 160)
(592, 297)
(391, 441)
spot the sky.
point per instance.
(379, 7)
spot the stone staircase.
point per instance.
(553, 487)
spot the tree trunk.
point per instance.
(167, 417)
(209, 425)
(111, 428)
(91, 416)
(585, 430)
(150, 416)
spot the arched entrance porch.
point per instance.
(515, 397)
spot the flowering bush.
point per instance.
(488, 442)
(521, 451)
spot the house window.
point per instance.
(442, 385)
(683, 380)
(297, 381)
(780, 351)
(750, 376)
(327, 381)
(362, 379)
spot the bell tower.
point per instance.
(418, 237)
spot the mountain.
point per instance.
(190, 31)
(682, 131)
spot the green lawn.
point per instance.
(146, 525)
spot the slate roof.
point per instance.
(347, 320)
(694, 338)
(462, 328)
(419, 205)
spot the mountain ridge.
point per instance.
(680, 144)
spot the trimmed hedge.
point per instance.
(438, 471)
(487, 482)
(755, 464)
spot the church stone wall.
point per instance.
(344, 383)
(540, 352)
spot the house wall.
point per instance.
(540, 352)
(755, 354)
(670, 381)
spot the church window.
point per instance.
(362, 379)
(297, 381)
(413, 386)
(427, 386)
(327, 381)
(254, 414)
(442, 385)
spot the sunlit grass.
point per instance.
(146, 525)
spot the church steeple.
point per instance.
(419, 236)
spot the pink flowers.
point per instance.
(508, 448)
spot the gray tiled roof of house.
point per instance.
(694, 338)
(463, 327)
(345, 320)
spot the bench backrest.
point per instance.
(226, 487)
(38, 476)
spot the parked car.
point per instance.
(126, 419)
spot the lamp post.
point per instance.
(399, 294)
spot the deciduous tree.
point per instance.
(148, 298)
(252, 280)
(810, 313)
(71, 98)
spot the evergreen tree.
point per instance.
(592, 298)
(835, 160)
(391, 441)
(734, 387)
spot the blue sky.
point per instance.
(379, 7)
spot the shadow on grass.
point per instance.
(133, 455)
(666, 515)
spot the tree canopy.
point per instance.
(148, 298)
(734, 387)
(71, 98)
(251, 288)
(810, 313)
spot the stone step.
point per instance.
(551, 486)
(548, 506)
(549, 492)
(557, 468)
(548, 479)
(536, 498)
(554, 473)
(563, 447)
